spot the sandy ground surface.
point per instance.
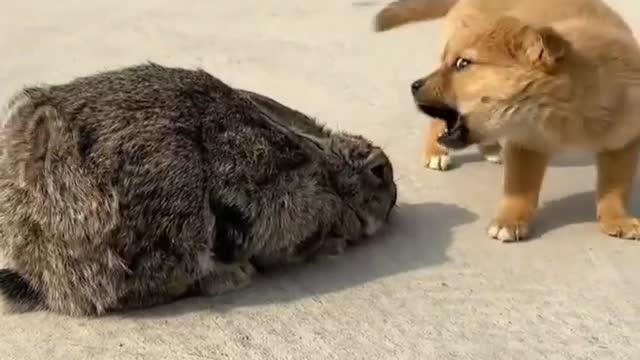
(432, 287)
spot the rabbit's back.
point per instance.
(154, 112)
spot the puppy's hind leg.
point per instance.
(616, 170)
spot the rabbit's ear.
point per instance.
(34, 131)
(312, 143)
(315, 145)
(38, 134)
(29, 129)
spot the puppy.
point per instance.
(541, 77)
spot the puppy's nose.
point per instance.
(416, 85)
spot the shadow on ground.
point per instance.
(418, 236)
(574, 209)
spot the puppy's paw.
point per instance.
(624, 227)
(491, 152)
(493, 158)
(228, 278)
(508, 230)
(438, 162)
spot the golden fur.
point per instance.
(541, 77)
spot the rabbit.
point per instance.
(138, 186)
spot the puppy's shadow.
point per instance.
(462, 158)
(364, 3)
(573, 209)
(563, 161)
(568, 161)
(417, 236)
(577, 208)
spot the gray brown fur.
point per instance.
(137, 186)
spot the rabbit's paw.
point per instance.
(228, 278)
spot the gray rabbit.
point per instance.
(135, 187)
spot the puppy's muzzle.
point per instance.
(456, 135)
(416, 86)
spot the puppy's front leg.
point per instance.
(436, 157)
(616, 170)
(523, 173)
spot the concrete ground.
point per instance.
(432, 287)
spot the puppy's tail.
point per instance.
(401, 12)
(18, 293)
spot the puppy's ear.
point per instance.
(542, 47)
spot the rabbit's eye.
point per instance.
(378, 171)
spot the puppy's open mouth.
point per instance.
(456, 134)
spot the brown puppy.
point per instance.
(541, 76)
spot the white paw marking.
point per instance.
(438, 162)
(505, 234)
(493, 158)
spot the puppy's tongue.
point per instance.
(456, 136)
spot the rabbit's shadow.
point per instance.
(417, 236)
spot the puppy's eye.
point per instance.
(461, 63)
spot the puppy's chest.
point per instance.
(595, 129)
(587, 137)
